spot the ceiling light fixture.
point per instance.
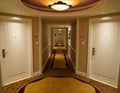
(60, 6)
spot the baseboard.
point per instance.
(5, 84)
(103, 82)
(37, 73)
(81, 73)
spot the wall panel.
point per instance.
(35, 32)
(83, 44)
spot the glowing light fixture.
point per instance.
(60, 6)
(16, 18)
(106, 18)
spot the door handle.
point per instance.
(3, 53)
(93, 51)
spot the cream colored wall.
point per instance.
(83, 44)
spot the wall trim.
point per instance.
(40, 43)
(16, 81)
(77, 45)
(103, 82)
(81, 73)
(37, 73)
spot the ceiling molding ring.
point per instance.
(84, 10)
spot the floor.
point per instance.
(53, 71)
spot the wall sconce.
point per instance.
(82, 37)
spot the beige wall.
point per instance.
(83, 44)
(35, 33)
(46, 42)
(71, 48)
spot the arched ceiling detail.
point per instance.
(77, 5)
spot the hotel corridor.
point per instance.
(58, 77)
(60, 46)
(59, 60)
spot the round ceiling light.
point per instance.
(60, 6)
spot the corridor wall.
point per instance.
(36, 39)
(46, 43)
(71, 46)
(83, 28)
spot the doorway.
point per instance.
(104, 51)
(15, 50)
(59, 37)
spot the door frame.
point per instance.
(90, 42)
(64, 32)
(30, 48)
(0, 64)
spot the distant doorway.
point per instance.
(59, 37)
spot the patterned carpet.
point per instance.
(18, 87)
(57, 72)
(59, 85)
(59, 60)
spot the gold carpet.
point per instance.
(59, 61)
(59, 85)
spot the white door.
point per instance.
(16, 51)
(105, 52)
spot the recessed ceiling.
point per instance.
(77, 5)
(102, 7)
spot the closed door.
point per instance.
(105, 52)
(16, 51)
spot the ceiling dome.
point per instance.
(77, 5)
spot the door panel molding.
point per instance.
(111, 77)
(17, 42)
